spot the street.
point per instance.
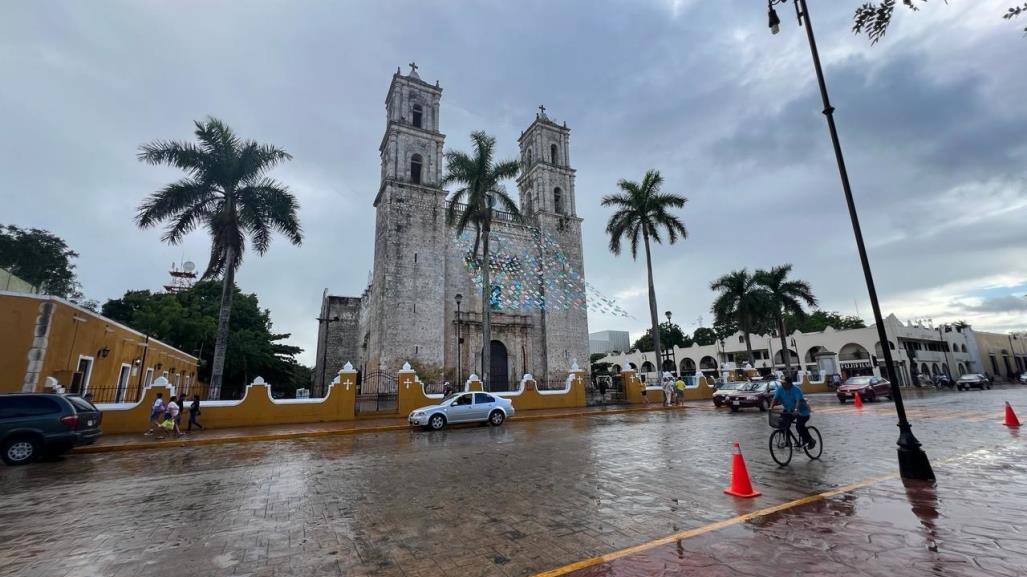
(534, 496)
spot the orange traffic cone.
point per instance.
(1011, 420)
(858, 400)
(741, 486)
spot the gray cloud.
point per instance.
(929, 121)
(1006, 304)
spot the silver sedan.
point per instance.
(470, 407)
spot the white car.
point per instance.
(469, 407)
(721, 394)
(1022, 378)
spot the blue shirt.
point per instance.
(789, 398)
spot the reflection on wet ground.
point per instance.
(524, 498)
(970, 524)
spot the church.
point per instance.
(422, 304)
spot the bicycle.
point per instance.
(782, 441)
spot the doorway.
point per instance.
(80, 379)
(499, 367)
(126, 369)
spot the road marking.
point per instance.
(718, 525)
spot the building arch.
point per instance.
(616, 369)
(648, 367)
(935, 370)
(961, 368)
(853, 352)
(963, 347)
(687, 366)
(925, 369)
(416, 162)
(811, 354)
(554, 156)
(558, 200)
(779, 357)
(633, 366)
(945, 369)
(708, 363)
(417, 115)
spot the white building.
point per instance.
(915, 349)
(608, 341)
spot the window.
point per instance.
(417, 115)
(552, 154)
(27, 406)
(558, 200)
(462, 400)
(148, 378)
(483, 399)
(415, 169)
(529, 157)
(81, 405)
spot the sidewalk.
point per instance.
(128, 442)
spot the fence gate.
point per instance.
(613, 387)
(377, 392)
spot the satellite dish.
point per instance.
(188, 266)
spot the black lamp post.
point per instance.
(668, 350)
(459, 341)
(324, 352)
(913, 462)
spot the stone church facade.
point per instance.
(409, 311)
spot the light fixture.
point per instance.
(458, 298)
(102, 353)
(775, 22)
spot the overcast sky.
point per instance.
(932, 121)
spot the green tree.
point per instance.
(873, 18)
(227, 192)
(595, 357)
(785, 297)
(480, 179)
(742, 301)
(819, 320)
(642, 212)
(705, 336)
(671, 335)
(41, 259)
(189, 320)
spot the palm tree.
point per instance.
(225, 191)
(785, 297)
(742, 301)
(642, 211)
(472, 205)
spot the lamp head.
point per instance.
(775, 22)
(459, 297)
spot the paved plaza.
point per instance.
(535, 496)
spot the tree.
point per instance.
(705, 336)
(642, 211)
(227, 192)
(595, 357)
(873, 18)
(189, 321)
(472, 205)
(671, 335)
(41, 259)
(785, 297)
(819, 320)
(742, 302)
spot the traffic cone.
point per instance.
(741, 486)
(1011, 420)
(858, 401)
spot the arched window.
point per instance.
(417, 115)
(558, 200)
(552, 154)
(415, 169)
(529, 157)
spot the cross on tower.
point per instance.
(542, 109)
(413, 67)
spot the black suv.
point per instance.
(32, 424)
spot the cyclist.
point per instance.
(795, 406)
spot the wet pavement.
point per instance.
(534, 496)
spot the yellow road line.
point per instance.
(718, 525)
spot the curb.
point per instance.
(196, 441)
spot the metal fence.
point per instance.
(377, 392)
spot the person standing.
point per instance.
(680, 386)
(194, 414)
(174, 413)
(156, 414)
(668, 391)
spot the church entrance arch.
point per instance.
(499, 367)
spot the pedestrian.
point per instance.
(194, 414)
(447, 389)
(680, 386)
(602, 388)
(668, 391)
(645, 398)
(174, 414)
(156, 414)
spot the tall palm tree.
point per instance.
(642, 212)
(742, 301)
(471, 206)
(785, 297)
(225, 191)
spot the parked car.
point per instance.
(1022, 378)
(36, 424)
(868, 389)
(973, 381)
(757, 394)
(470, 407)
(721, 394)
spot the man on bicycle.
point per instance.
(790, 397)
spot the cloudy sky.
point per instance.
(932, 122)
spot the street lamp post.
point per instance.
(324, 351)
(459, 341)
(913, 462)
(669, 354)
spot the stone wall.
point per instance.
(338, 338)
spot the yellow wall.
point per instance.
(256, 408)
(412, 396)
(69, 338)
(989, 344)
